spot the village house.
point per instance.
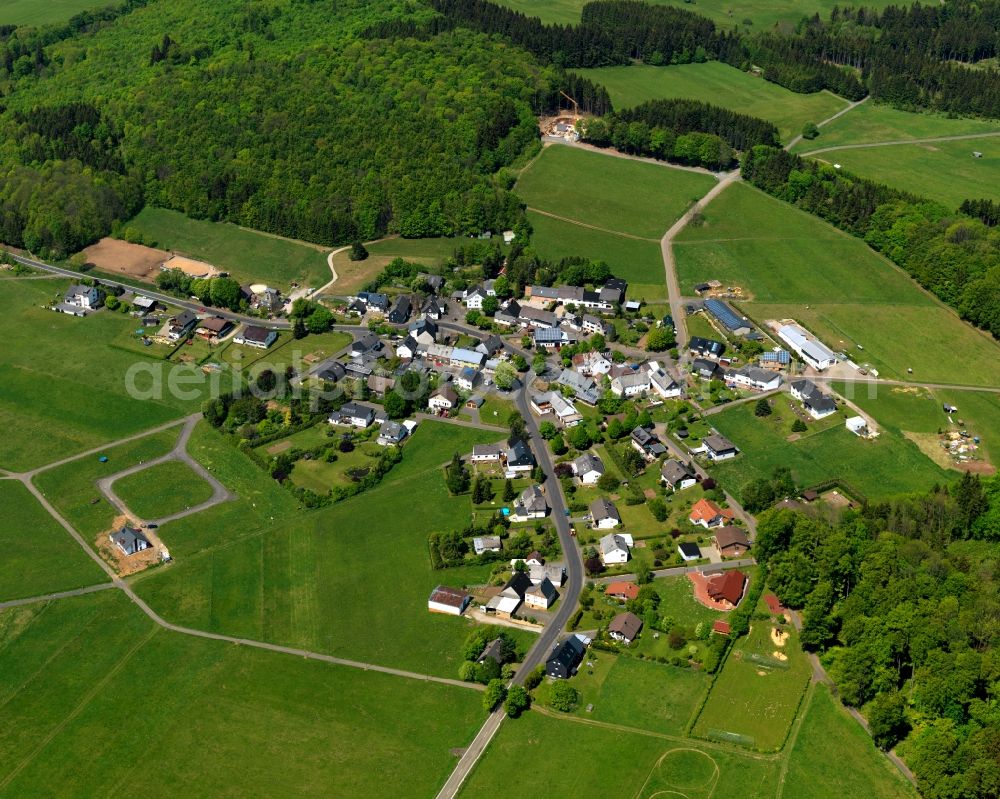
(591, 364)
(253, 336)
(129, 540)
(444, 398)
(622, 591)
(434, 282)
(490, 346)
(518, 459)
(717, 448)
(392, 433)
(486, 543)
(474, 298)
(562, 663)
(506, 603)
(662, 383)
(677, 475)
(529, 505)
(400, 310)
(584, 388)
(407, 349)
(180, 325)
(213, 327)
(486, 453)
(423, 331)
(705, 369)
(541, 596)
(380, 385)
(554, 404)
(647, 444)
(753, 377)
(452, 601)
(588, 468)
(604, 515)
(592, 325)
(434, 308)
(364, 343)
(630, 384)
(689, 551)
(727, 588)
(79, 299)
(353, 414)
(730, 541)
(625, 627)
(553, 572)
(817, 404)
(707, 514)
(529, 316)
(706, 347)
(615, 548)
(467, 378)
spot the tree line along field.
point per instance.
(945, 171)
(793, 265)
(40, 557)
(62, 387)
(248, 255)
(720, 84)
(83, 676)
(260, 568)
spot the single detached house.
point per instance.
(542, 595)
(727, 588)
(604, 514)
(444, 398)
(253, 336)
(622, 591)
(731, 541)
(506, 603)
(486, 543)
(486, 453)
(755, 378)
(564, 659)
(816, 403)
(354, 414)
(129, 540)
(689, 551)
(718, 448)
(180, 325)
(677, 475)
(79, 299)
(615, 548)
(707, 514)
(519, 458)
(530, 505)
(625, 627)
(452, 601)
(588, 468)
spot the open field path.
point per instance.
(179, 453)
(589, 226)
(430, 417)
(899, 142)
(867, 381)
(752, 398)
(700, 170)
(793, 737)
(670, 264)
(678, 571)
(34, 600)
(828, 120)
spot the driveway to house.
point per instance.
(679, 571)
(179, 453)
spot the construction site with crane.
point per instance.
(563, 124)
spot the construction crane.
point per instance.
(576, 106)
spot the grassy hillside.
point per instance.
(719, 84)
(33, 12)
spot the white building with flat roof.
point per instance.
(809, 348)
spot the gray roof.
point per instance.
(604, 508)
(128, 537)
(673, 471)
(588, 462)
(532, 500)
(613, 542)
(544, 588)
(718, 443)
(626, 625)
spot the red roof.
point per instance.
(774, 604)
(706, 510)
(622, 589)
(727, 586)
(721, 627)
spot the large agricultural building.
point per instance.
(728, 318)
(810, 349)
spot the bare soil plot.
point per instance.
(122, 258)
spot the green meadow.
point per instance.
(792, 265)
(40, 557)
(162, 490)
(43, 12)
(943, 171)
(616, 194)
(248, 255)
(353, 275)
(721, 85)
(63, 388)
(96, 697)
(351, 580)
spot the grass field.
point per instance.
(162, 490)
(756, 700)
(249, 256)
(880, 468)
(639, 262)
(629, 197)
(353, 275)
(33, 12)
(763, 14)
(39, 555)
(590, 761)
(83, 681)
(833, 757)
(942, 171)
(62, 387)
(259, 568)
(871, 122)
(724, 86)
(793, 265)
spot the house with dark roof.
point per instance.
(374, 301)
(434, 308)
(588, 468)
(647, 444)
(392, 433)
(180, 325)
(718, 447)
(353, 414)
(364, 343)
(423, 331)
(519, 458)
(129, 540)
(529, 505)
(603, 514)
(400, 310)
(444, 398)
(614, 548)
(677, 475)
(625, 627)
(816, 403)
(506, 603)
(562, 663)
(689, 551)
(213, 327)
(730, 541)
(493, 651)
(332, 371)
(254, 336)
(541, 595)
(754, 377)
(706, 347)
(452, 601)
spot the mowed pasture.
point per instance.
(834, 757)
(33, 12)
(757, 694)
(944, 171)
(594, 762)
(639, 262)
(162, 490)
(351, 579)
(248, 255)
(872, 122)
(83, 677)
(721, 85)
(63, 387)
(620, 195)
(879, 468)
(353, 275)
(40, 557)
(792, 265)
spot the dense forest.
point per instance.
(902, 601)
(953, 255)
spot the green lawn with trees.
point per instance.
(62, 387)
(628, 197)
(353, 275)
(261, 568)
(162, 490)
(67, 673)
(721, 85)
(39, 555)
(792, 265)
(247, 255)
